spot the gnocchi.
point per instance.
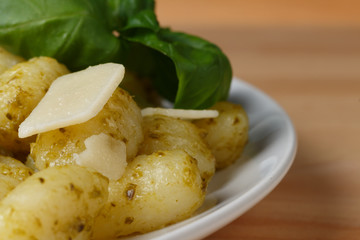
(56, 203)
(166, 133)
(155, 191)
(7, 60)
(169, 163)
(21, 89)
(227, 134)
(12, 172)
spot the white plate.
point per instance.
(265, 161)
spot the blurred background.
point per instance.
(261, 12)
(256, 34)
(306, 55)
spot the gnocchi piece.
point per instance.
(56, 203)
(155, 191)
(7, 60)
(6, 185)
(14, 168)
(227, 134)
(12, 172)
(21, 89)
(166, 133)
(120, 118)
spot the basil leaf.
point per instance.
(74, 32)
(127, 14)
(185, 69)
(197, 76)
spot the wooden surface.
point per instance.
(305, 55)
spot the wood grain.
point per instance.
(308, 59)
(259, 12)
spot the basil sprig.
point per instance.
(187, 70)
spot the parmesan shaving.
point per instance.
(180, 113)
(73, 98)
(105, 154)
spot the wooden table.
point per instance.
(305, 55)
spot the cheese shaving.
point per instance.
(180, 113)
(104, 154)
(73, 98)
